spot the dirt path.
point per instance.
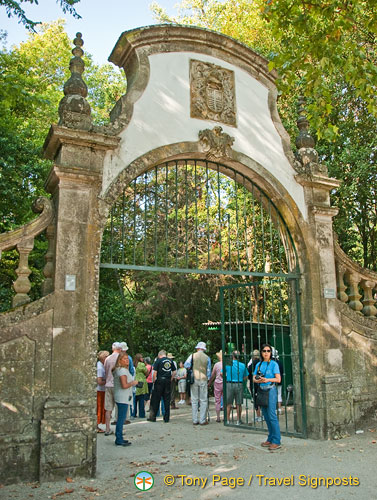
(216, 457)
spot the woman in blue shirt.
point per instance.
(267, 374)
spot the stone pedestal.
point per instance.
(338, 406)
(68, 439)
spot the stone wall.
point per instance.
(25, 378)
(358, 345)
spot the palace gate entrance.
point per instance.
(194, 173)
(202, 217)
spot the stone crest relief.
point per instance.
(212, 93)
(215, 143)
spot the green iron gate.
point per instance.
(265, 311)
(197, 216)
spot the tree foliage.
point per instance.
(14, 9)
(351, 157)
(32, 76)
(319, 41)
(327, 52)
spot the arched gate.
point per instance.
(201, 216)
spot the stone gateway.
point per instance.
(198, 95)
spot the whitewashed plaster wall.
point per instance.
(162, 116)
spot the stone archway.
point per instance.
(183, 84)
(145, 233)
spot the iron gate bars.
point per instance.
(265, 311)
(199, 217)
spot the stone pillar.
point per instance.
(329, 411)
(68, 428)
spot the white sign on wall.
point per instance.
(70, 282)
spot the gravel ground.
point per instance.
(205, 462)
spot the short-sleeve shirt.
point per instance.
(164, 368)
(100, 374)
(218, 371)
(182, 372)
(121, 395)
(268, 369)
(109, 365)
(237, 372)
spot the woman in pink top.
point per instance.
(217, 376)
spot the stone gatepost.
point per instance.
(330, 401)
(68, 427)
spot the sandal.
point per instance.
(218, 420)
(100, 431)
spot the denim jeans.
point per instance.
(271, 418)
(141, 400)
(122, 412)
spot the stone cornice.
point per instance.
(176, 38)
(317, 181)
(70, 176)
(324, 211)
(58, 136)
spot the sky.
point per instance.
(102, 21)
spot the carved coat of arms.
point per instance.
(216, 143)
(212, 93)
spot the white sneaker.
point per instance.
(258, 419)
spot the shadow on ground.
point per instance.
(207, 462)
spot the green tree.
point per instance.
(319, 41)
(14, 9)
(32, 76)
(327, 52)
(351, 157)
(31, 86)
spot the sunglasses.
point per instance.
(266, 350)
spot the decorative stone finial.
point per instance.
(304, 139)
(74, 109)
(306, 153)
